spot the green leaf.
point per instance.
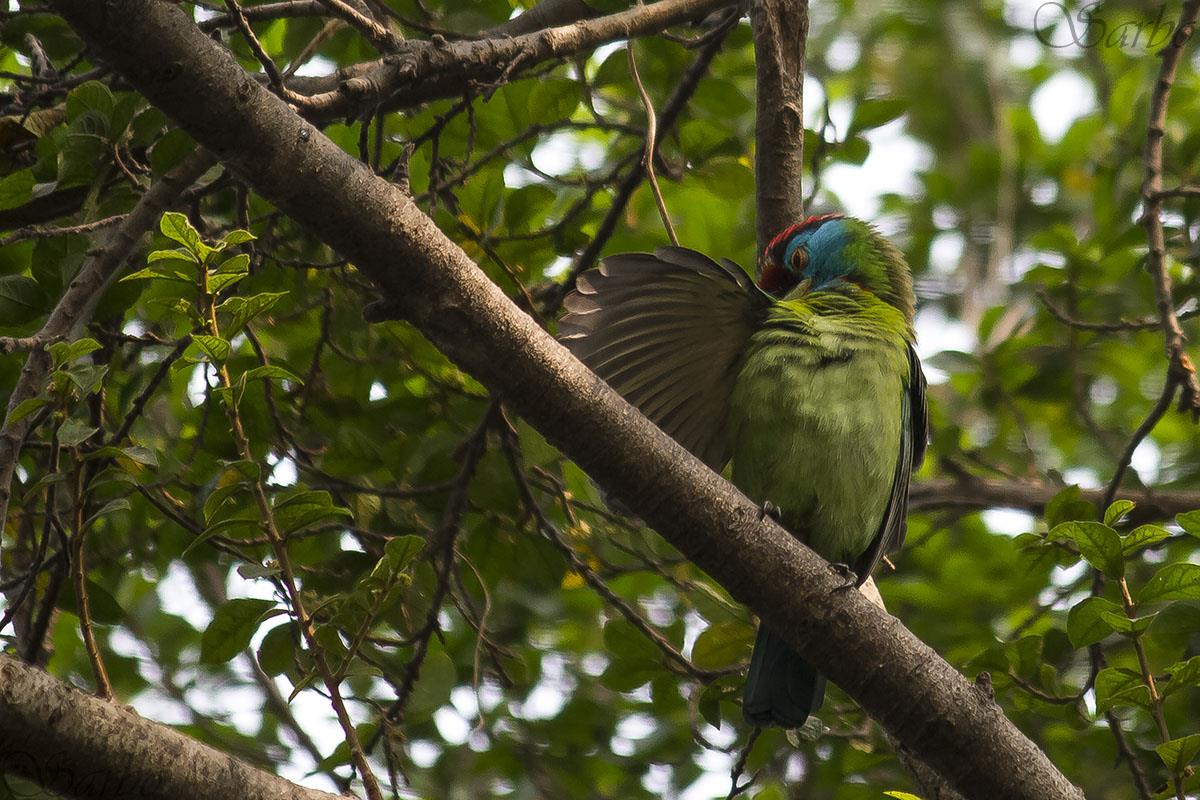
(104, 608)
(1118, 509)
(271, 372)
(244, 309)
(25, 408)
(1143, 536)
(277, 652)
(1087, 623)
(303, 508)
(214, 347)
(1177, 754)
(1099, 544)
(177, 228)
(238, 236)
(21, 300)
(232, 627)
(900, 795)
(111, 507)
(1120, 686)
(178, 255)
(92, 96)
(723, 645)
(1183, 675)
(86, 376)
(401, 550)
(1172, 582)
(1190, 522)
(1068, 505)
(74, 432)
(875, 113)
(1123, 624)
(16, 189)
(230, 271)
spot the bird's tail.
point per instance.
(782, 689)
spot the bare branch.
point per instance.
(1182, 371)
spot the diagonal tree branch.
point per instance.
(65, 740)
(423, 71)
(919, 698)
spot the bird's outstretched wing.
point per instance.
(914, 434)
(667, 331)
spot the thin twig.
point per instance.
(686, 87)
(41, 232)
(383, 39)
(274, 78)
(651, 143)
(1143, 430)
(1108, 327)
(1183, 372)
(735, 775)
(1156, 700)
(82, 602)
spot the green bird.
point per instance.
(808, 381)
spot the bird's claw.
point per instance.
(769, 509)
(848, 576)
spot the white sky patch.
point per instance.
(316, 67)
(891, 167)
(1083, 478)
(842, 53)
(177, 595)
(453, 727)
(1007, 521)
(378, 392)
(283, 471)
(945, 252)
(562, 152)
(423, 753)
(1065, 576)
(198, 384)
(1060, 101)
(1024, 51)
(1146, 461)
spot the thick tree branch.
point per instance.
(423, 71)
(923, 701)
(780, 34)
(68, 741)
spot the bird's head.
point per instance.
(836, 253)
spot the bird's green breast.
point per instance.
(816, 422)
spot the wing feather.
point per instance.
(667, 331)
(914, 432)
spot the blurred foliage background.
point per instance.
(562, 650)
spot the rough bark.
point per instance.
(428, 280)
(62, 739)
(427, 70)
(780, 34)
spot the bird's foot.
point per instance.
(769, 509)
(848, 576)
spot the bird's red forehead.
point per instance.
(791, 230)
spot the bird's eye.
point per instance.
(799, 260)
